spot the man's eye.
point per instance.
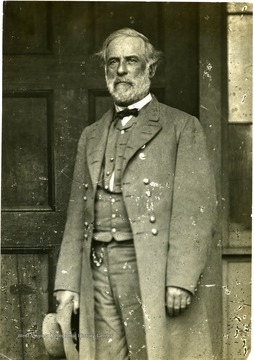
(132, 60)
(112, 62)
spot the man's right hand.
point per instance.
(64, 297)
(177, 300)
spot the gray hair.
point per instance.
(152, 55)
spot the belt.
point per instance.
(97, 252)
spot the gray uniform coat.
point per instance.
(166, 173)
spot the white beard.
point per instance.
(128, 93)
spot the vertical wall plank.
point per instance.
(210, 114)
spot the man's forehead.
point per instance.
(124, 46)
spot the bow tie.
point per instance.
(126, 112)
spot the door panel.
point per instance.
(27, 151)
(24, 31)
(24, 302)
(240, 185)
(236, 307)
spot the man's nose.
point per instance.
(122, 67)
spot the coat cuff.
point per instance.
(186, 283)
(186, 288)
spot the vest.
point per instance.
(111, 218)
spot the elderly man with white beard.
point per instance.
(140, 220)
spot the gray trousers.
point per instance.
(119, 322)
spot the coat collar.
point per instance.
(146, 128)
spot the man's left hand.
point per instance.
(177, 300)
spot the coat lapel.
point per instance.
(96, 144)
(146, 128)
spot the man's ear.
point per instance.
(152, 70)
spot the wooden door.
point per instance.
(52, 88)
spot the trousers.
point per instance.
(119, 325)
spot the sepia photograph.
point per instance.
(126, 173)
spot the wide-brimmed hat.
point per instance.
(60, 333)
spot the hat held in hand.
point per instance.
(60, 333)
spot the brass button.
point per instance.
(113, 201)
(122, 132)
(86, 224)
(106, 187)
(154, 231)
(146, 181)
(86, 186)
(108, 173)
(85, 236)
(113, 216)
(85, 198)
(142, 156)
(114, 230)
(152, 219)
(148, 193)
(112, 159)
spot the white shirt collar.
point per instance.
(138, 105)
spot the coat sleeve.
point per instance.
(69, 261)
(193, 210)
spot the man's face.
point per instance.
(126, 70)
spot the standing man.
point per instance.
(140, 221)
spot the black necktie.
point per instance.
(126, 112)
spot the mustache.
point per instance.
(122, 81)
